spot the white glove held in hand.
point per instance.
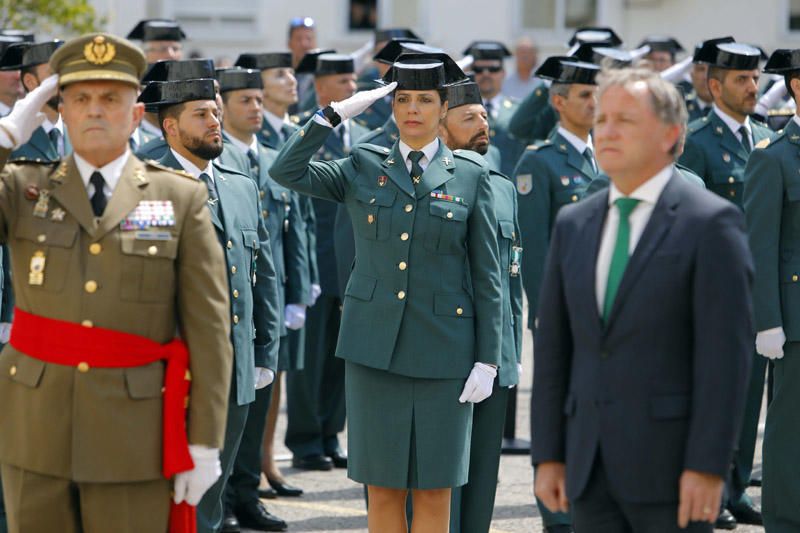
(263, 376)
(5, 332)
(26, 115)
(191, 485)
(359, 102)
(294, 316)
(769, 343)
(479, 384)
(316, 290)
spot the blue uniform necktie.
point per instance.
(416, 168)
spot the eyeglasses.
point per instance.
(481, 70)
(301, 22)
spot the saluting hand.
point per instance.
(359, 102)
(700, 497)
(26, 116)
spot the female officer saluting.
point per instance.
(422, 308)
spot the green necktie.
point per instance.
(416, 168)
(619, 260)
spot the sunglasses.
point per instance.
(481, 70)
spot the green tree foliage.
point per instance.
(49, 16)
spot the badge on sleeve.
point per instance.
(524, 183)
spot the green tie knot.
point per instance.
(625, 207)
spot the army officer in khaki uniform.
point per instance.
(423, 306)
(109, 252)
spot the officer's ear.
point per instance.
(138, 113)
(794, 88)
(444, 110)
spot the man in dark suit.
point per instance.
(642, 340)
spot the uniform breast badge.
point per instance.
(36, 275)
(516, 261)
(57, 215)
(370, 219)
(382, 181)
(42, 204)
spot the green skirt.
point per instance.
(405, 432)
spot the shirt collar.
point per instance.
(649, 191)
(429, 149)
(189, 167)
(149, 128)
(48, 126)
(731, 122)
(244, 147)
(275, 121)
(579, 144)
(4, 109)
(111, 172)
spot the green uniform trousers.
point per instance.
(315, 395)
(780, 493)
(471, 506)
(39, 503)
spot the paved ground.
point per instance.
(334, 503)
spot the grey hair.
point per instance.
(665, 100)
(560, 89)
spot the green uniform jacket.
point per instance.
(425, 300)
(39, 148)
(534, 118)
(105, 425)
(601, 181)
(510, 147)
(156, 148)
(696, 111)
(251, 276)
(550, 175)
(505, 201)
(716, 155)
(270, 138)
(772, 210)
(385, 135)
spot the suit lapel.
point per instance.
(574, 158)
(71, 193)
(41, 143)
(396, 170)
(591, 244)
(127, 195)
(169, 161)
(439, 171)
(656, 229)
(226, 203)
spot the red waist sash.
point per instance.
(70, 344)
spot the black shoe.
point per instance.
(281, 488)
(268, 493)
(516, 447)
(725, 520)
(755, 481)
(255, 516)
(230, 524)
(312, 462)
(747, 513)
(558, 529)
(339, 458)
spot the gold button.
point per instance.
(449, 214)
(153, 250)
(233, 269)
(459, 311)
(733, 193)
(87, 324)
(229, 245)
(235, 293)
(302, 133)
(13, 370)
(235, 319)
(264, 213)
(574, 197)
(95, 248)
(83, 367)
(90, 286)
(795, 278)
(41, 237)
(261, 194)
(404, 236)
(409, 208)
(401, 295)
(731, 180)
(402, 265)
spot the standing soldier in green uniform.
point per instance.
(771, 195)
(663, 50)
(316, 403)
(114, 250)
(188, 113)
(699, 101)
(242, 92)
(466, 128)
(417, 209)
(717, 149)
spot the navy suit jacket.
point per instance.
(658, 388)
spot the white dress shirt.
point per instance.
(429, 150)
(111, 173)
(252, 147)
(648, 194)
(190, 167)
(48, 126)
(276, 122)
(496, 102)
(734, 125)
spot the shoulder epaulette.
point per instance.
(33, 161)
(471, 156)
(374, 148)
(159, 166)
(763, 143)
(230, 170)
(538, 145)
(698, 124)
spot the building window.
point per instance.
(561, 14)
(363, 14)
(794, 15)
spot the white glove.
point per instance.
(5, 332)
(294, 316)
(519, 370)
(359, 102)
(316, 290)
(363, 55)
(677, 72)
(769, 343)
(479, 383)
(465, 62)
(263, 377)
(192, 484)
(771, 98)
(26, 115)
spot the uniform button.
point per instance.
(90, 286)
(83, 367)
(302, 133)
(264, 213)
(403, 265)
(233, 269)
(409, 208)
(459, 311)
(795, 278)
(733, 193)
(235, 293)
(153, 250)
(95, 248)
(235, 319)
(401, 295)
(574, 198)
(404, 236)
(229, 245)
(372, 200)
(41, 237)
(449, 214)
(261, 194)
(731, 180)
(87, 324)
(12, 371)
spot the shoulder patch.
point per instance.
(470, 156)
(374, 148)
(37, 161)
(763, 143)
(524, 183)
(698, 124)
(159, 166)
